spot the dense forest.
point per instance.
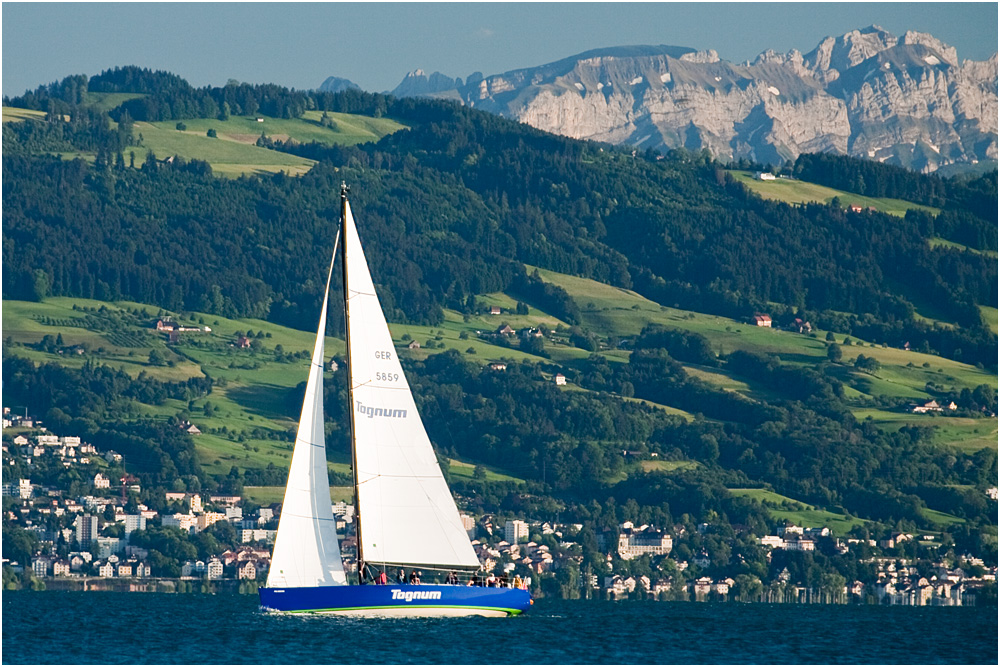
(452, 208)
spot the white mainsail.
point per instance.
(306, 552)
(407, 515)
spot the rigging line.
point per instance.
(368, 383)
(311, 444)
(310, 517)
(381, 475)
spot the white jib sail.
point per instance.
(407, 513)
(306, 552)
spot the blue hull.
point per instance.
(401, 600)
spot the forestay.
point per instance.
(407, 515)
(306, 552)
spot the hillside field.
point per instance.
(262, 392)
(801, 514)
(233, 151)
(792, 191)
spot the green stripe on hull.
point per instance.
(511, 612)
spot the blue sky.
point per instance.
(376, 44)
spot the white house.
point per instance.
(186, 522)
(772, 541)
(41, 566)
(214, 569)
(193, 568)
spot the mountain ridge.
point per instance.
(906, 101)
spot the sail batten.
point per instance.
(406, 511)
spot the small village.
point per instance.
(83, 539)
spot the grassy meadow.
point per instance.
(963, 433)
(233, 151)
(266, 495)
(610, 311)
(227, 156)
(991, 317)
(801, 514)
(945, 243)
(15, 115)
(793, 191)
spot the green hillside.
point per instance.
(13, 114)
(258, 393)
(794, 191)
(259, 390)
(611, 311)
(801, 514)
(650, 270)
(227, 155)
(233, 151)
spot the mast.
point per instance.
(344, 189)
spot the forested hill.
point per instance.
(452, 208)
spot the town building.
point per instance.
(633, 542)
(186, 522)
(515, 530)
(134, 522)
(469, 523)
(40, 566)
(247, 570)
(107, 546)
(86, 529)
(213, 570)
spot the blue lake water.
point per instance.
(149, 628)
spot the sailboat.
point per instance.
(405, 515)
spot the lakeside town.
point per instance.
(91, 526)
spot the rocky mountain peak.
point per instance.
(709, 56)
(417, 83)
(335, 84)
(947, 53)
(866, 93)
(840, 54)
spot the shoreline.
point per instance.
(245, 587)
